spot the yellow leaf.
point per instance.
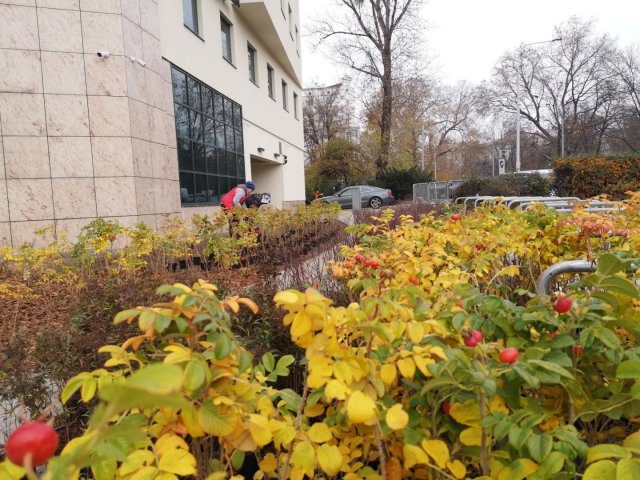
(259, 428)
(286, 297)
(396, 417)
(336, 390)
(250, 304)
(304, 457)
(320, 433)
(360, 408)
(497, 405)
(330, 459)
(437, 450)
(416, 332)
(388, 374)
(178, 461)
(471, 436)
(314, 411)
(422, 362)
(269, 463)
(217, 420)
(301, 324)
(168, 442)
(457, 468)
(467, 413)
(407, 367)
(343, 372)
(413, 455)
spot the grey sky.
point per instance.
(466, 37)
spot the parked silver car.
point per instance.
(374, 197)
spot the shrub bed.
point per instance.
(587, 177)
(441, 364)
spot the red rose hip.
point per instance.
(36, 439)
(563, 304)
(473, 339)
(414, 280)
(446, 407)
(578, 350)
(509, 355)
(455, 217)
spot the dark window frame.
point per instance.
(252, 57)
(271, 82)
(295, 106)
(285, 95)
(227, 53)
(193, 4)
(210, 140)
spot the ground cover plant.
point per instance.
(442, 363)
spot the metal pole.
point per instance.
(435, 166)
(562, 134)
(517, 127)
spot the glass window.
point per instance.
(190, 14)
(290, 22)
(295, 105)
(251, 54)
(225, 28)
(272, 92)
(284, 95)
(210, 147)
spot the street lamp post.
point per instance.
(518, 162)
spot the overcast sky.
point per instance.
(466, 37)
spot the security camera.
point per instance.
(103, 54)
(139, 61)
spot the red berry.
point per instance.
(374, 264)
(578, 350)
(359, 258)
(446, 407)
(455, 217)
(479, 246)
(509, 355)
(473, 339)
(37, 439)
(414, 280)
(348, 265)
(563, 304)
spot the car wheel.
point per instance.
(375, 202)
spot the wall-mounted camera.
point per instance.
(103, 54)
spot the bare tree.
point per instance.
(565, 87)
(626, 66)
(324, 118)
(377, 38)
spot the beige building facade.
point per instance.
(134, 109)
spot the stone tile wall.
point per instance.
(83, 136)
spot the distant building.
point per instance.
(335, 110)
(133, 109)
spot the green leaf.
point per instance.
(608, 264)
(523, 372)
(162, 323)
(126, 315)
(518, 437)
(552, 367)
(157, 379)
(539, 447)
(194, 376)
(73, 385)
(606, 450)
(291, 398)
(268, 361)
(628, 470)
(222, 347)
(604, 470)
(608, 338)
(628, 369)
(562, 341)
(619, 285)
(552, 465)
(285, 361)
(237, 459)
(103, 467)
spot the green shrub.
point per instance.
(507, 185)
(400, 180)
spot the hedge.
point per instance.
(587, 177)
(507, 185)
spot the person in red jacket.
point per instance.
(237, 195)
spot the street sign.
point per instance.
(502, 166)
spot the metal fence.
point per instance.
(435, 192)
